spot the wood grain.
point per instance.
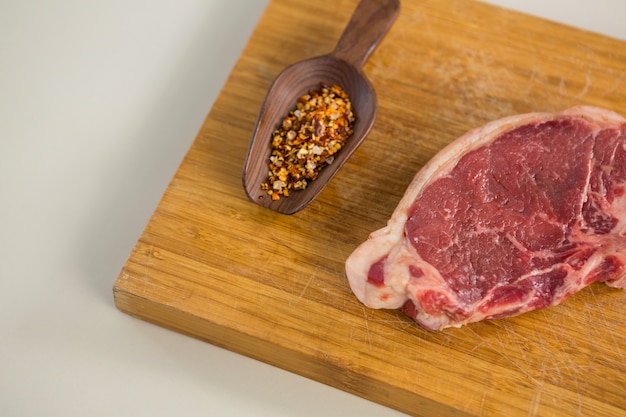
(215, 266)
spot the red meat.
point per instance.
(511, 217)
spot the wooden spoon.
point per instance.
(369, 23)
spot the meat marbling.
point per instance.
(514, 216)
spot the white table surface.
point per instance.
(99, 102)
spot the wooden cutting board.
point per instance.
(212, 265)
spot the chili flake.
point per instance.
(308, 139)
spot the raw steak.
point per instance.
(511, 217)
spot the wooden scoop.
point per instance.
(343, 66)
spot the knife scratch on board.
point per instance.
(587, 85)
(504, 341)
(396, 323)
(306, 286)
(605, 321)
(533, 79)
(484, 396)
(617, 82)
(563, 93)
(476, 346)
(367, 328)
(148, 263)
(535, 401)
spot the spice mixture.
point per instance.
(308, 139)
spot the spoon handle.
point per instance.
(368, 24)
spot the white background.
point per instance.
(99, 102)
